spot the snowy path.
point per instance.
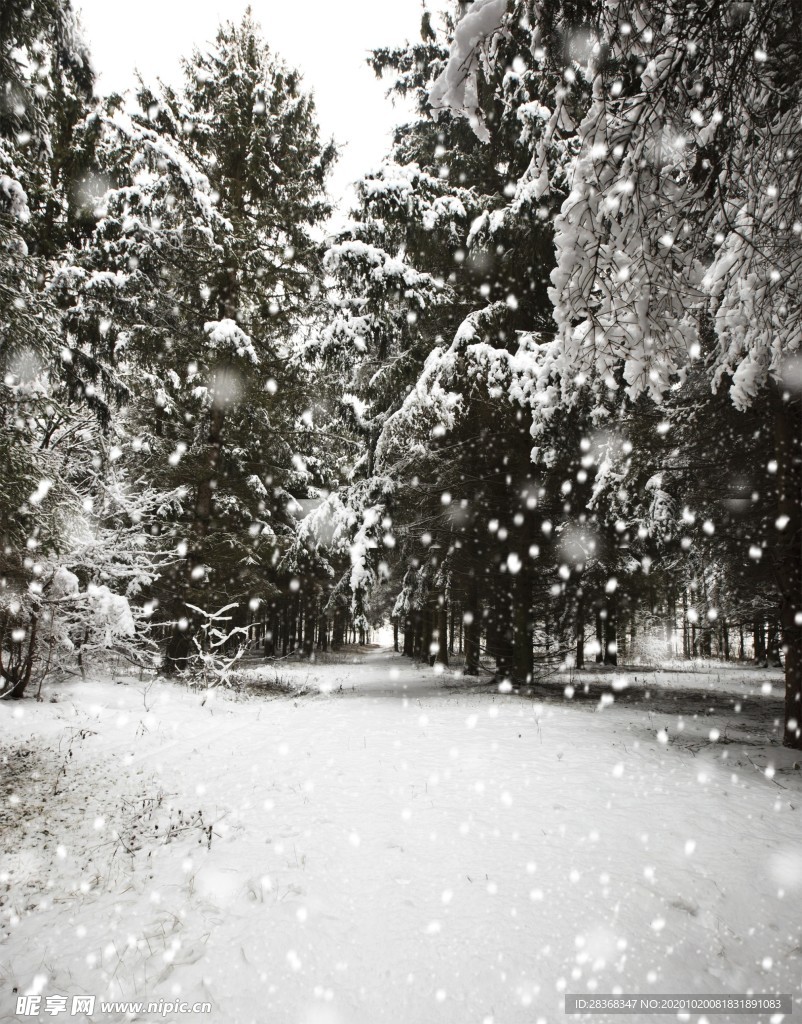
(396, 850)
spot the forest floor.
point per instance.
(383, 843)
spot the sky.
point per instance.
(327, 41)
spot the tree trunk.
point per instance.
(599, 637)
(773, 645)
(409, 636)
(630, 651)
(292, 632)
(523, 664)
(338, 628)
(580, 631)
(419, 620)
(309, 632)
(286, 627)
(269, 639)
(760, 644)
(503, 632)
(611, 633)
(788, 552)
(670, 626)
(441, 658)
(323, 633)
(473, 625)
(707, 641)
(427, 629)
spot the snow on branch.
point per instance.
(16, 198)
(668, 134)
(164, 154)
(228, 337)
(457, 86)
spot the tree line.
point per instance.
(537, 401)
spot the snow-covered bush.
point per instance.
(57, 619)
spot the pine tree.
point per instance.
(455, 192)
(200, 271)
(45, 83)
(667, 118)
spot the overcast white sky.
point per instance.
(326, 40)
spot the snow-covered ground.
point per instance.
(397, 845)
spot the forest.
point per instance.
(542, 390)
(401, 600)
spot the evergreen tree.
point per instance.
(204, 253)
(669, 116)
(45, 83)
(418, 255)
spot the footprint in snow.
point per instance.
(689, 908)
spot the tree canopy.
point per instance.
(537, 399)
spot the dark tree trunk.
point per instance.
(473, 625)
(523, 664)
(611, 632)
(269, 639)
(580, 631)
(286, 616)
(707, 641)
(671, 625)
(292, 632)
(599, 636)
(788, 552)
(441, 613)
(503, 633)
(323, 633)
(760, 643)
(773, 645)
(338, 628)
(309, 632)
(409, 636)
(419, 620)
(427, 632)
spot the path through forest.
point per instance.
(396, 845)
